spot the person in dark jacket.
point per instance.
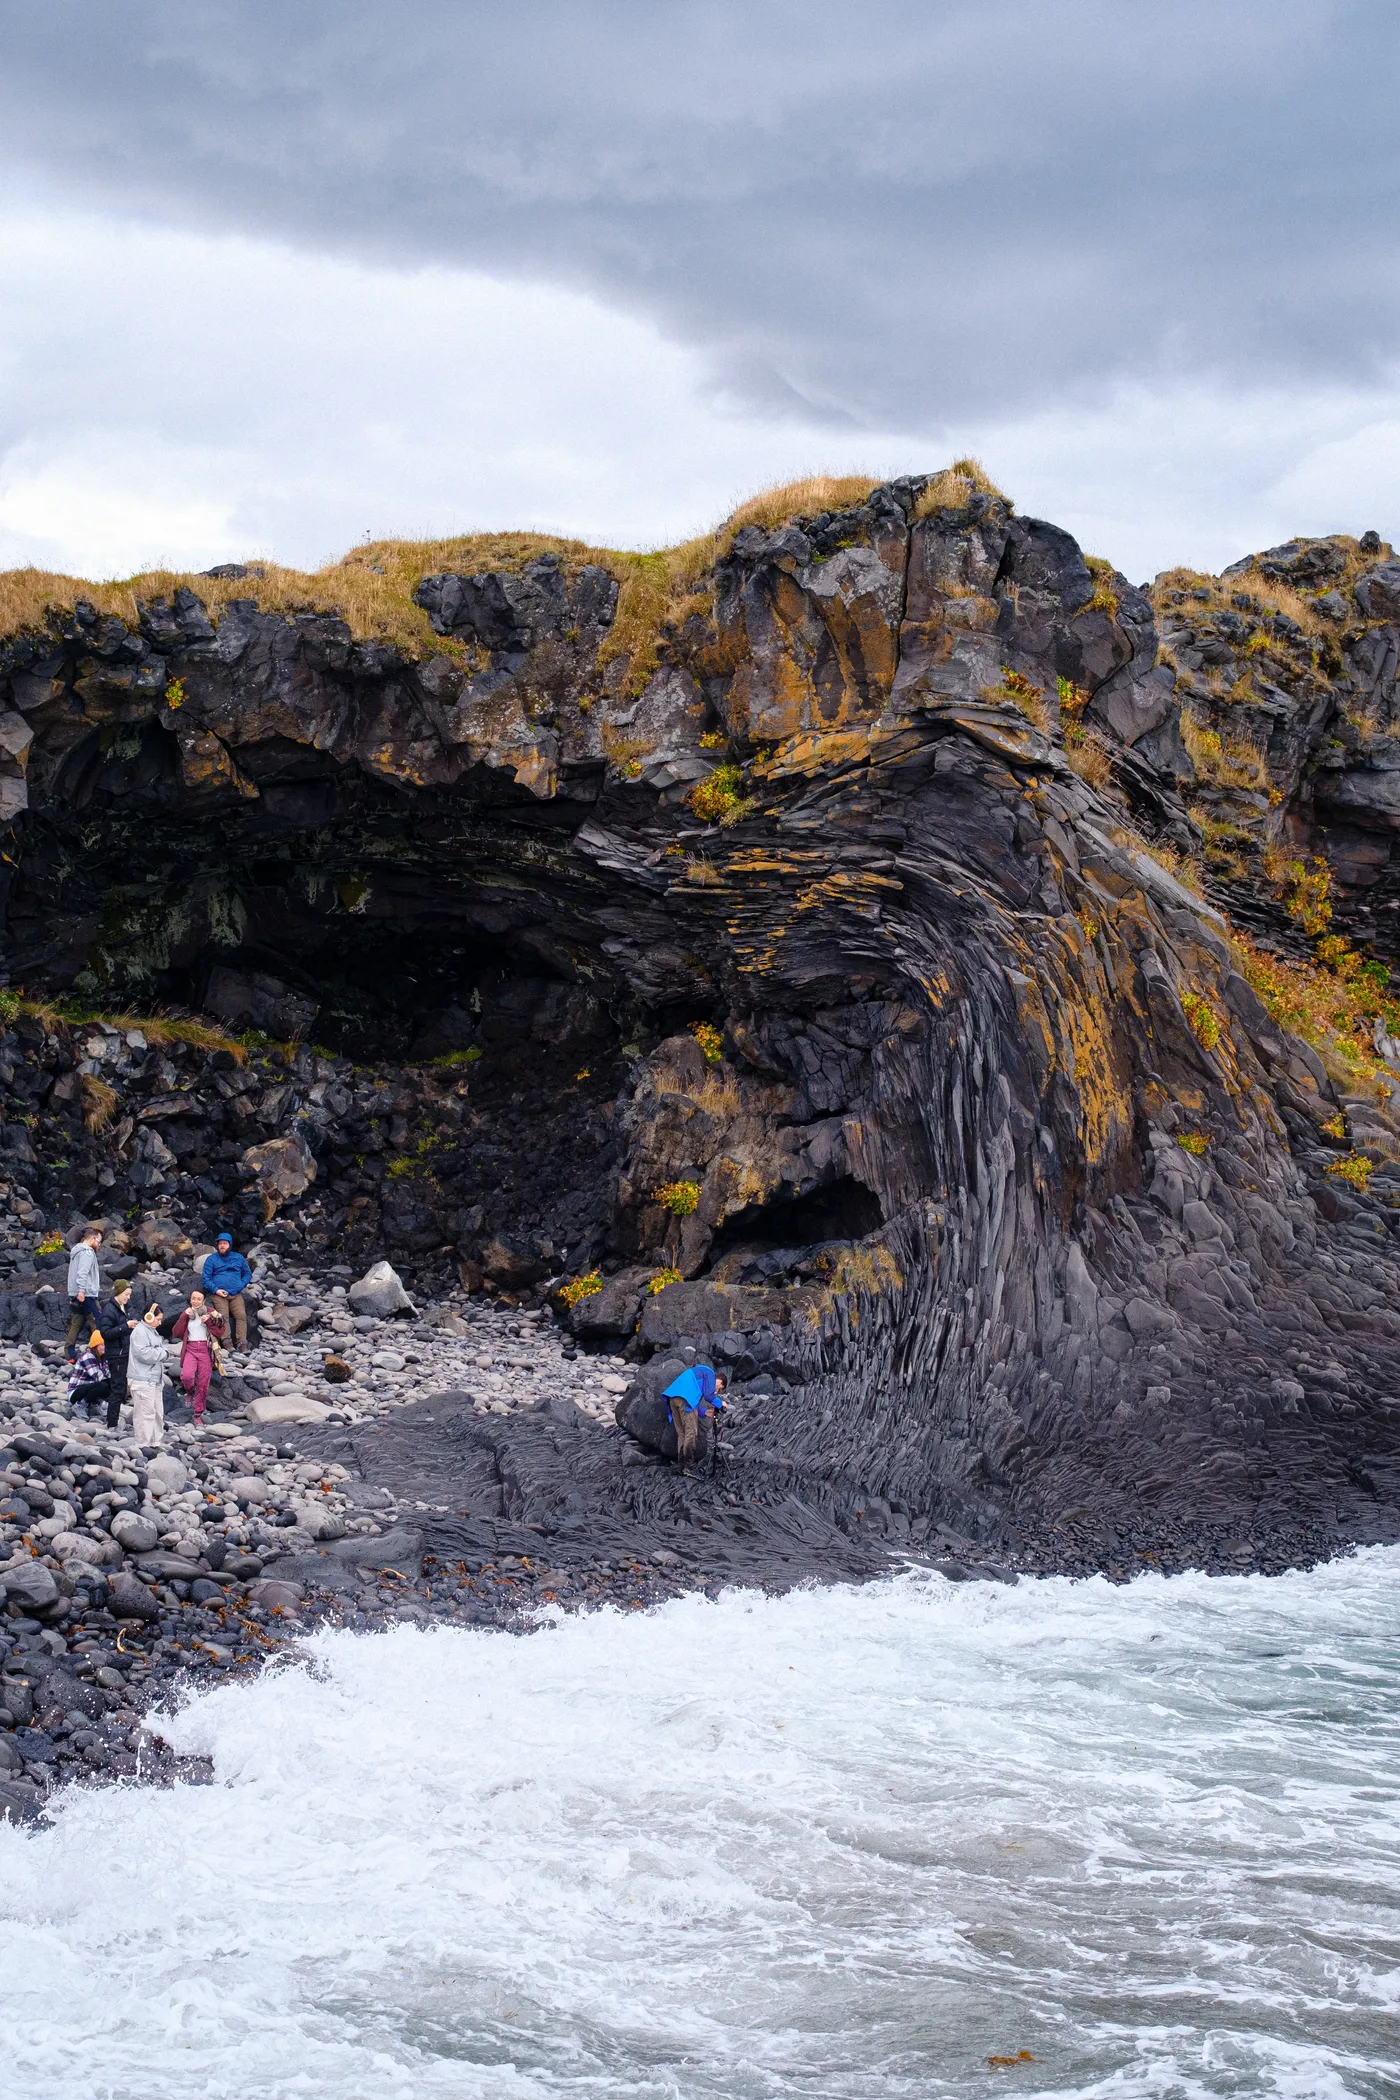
(116, 1319)
(226, 1276)
(692, 1399)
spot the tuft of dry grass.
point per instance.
(371, 588)
(1016, 690)
(955, 486)
(99, 1103)
(796, 499)
(1182, 870)
(1222, 761)
(1267, 596)
(58, 1014)
(1088, 758)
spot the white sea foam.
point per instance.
(845, 1843)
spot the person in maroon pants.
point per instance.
(196, 1330)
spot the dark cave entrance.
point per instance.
(841, 1210)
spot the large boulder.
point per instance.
(380, 1293)
(80, 1546)
(30, 1584)
(167, 1475)
(162, 1240)
(129, 1599)
(283, 1170)
(168, 1567)
(400, 1548)
(615, 1308)
(717, 1308)
(133, 1532)
(252, 999)
(286, 1407)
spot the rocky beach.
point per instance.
(878, 950)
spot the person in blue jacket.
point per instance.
(226, 1276)
(692, 1398)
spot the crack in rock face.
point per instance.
(813, 983)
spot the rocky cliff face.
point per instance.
(829, 953)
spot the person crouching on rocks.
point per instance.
(228, 1276)
(692, 1399)
(146, 1374)
(197, 1329)
(89, 1380)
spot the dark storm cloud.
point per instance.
(887, 214)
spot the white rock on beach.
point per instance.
(285, 1407)
(380, 1292)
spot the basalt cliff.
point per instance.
(891, 953)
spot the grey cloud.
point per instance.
(890, 216)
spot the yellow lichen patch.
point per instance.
(1205, 1022)
(871, 1270)
(1091, 1059)
(858, 888)
(829, 750)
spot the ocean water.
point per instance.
(844, 1843)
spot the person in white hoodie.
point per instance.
(145, 1378)
(84, 1284)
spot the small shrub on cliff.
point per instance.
(1090, 761)
(9, 1007)
(1105, 597)
(1195, 1142)
(713, 740)
(662, 1279)
(681, 1198)
(717, 799)
(1205, 1024)
(1336, 1127)
(580, 1287)
(1355, 1169)
(1018, 689)
(1304, 888)
(1336, 1014)
(710, 1041)
(51, 1243)
(175, 693)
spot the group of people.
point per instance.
(114, 1353)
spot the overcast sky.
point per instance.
(274, 276)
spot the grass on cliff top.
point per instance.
(1269, 594)
(371, 588)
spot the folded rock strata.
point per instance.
(922, 1183)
